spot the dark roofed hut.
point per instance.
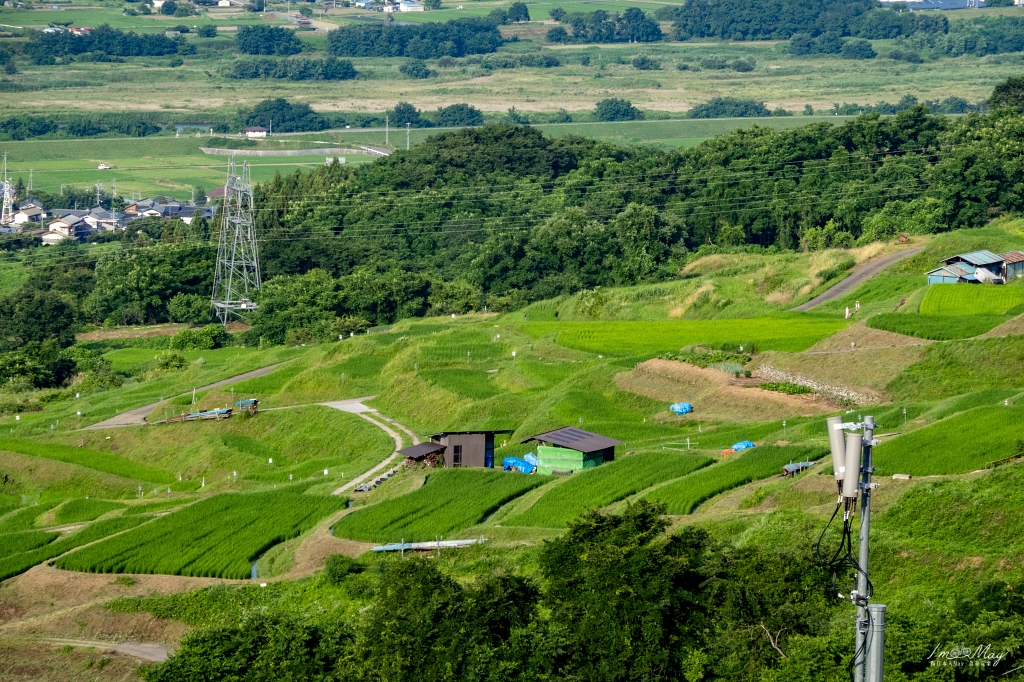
(590, 449)
(458, 448)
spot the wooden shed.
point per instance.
(465, 448)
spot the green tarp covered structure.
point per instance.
(551, 459)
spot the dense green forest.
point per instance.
(45, 48)
(455, 38)
(613, 599)
(500, 216)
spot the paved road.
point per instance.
(147, 652)
(859, 276)
(137, 417)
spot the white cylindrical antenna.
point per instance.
(837, 443)
(852, 474)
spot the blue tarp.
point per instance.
(516, 464)
(531, 458)
(682, 408)
(743, 445)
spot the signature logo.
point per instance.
(962, 656)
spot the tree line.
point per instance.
(27, 126)
(632, 26)
(614, 598)
(329, 69)
(45, 48)
(433, 40)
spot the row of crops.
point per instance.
(216, 537)
(605, 485)
(683, 496)
(793, 332)
(967, 299)
(91, 459)
(965, 442)
(450, 500)
(43, 549)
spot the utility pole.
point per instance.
(29, 180)
(852, 466)
(113, 184)
(386, 131)
(236, 280)
(407, 127)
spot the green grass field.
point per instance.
(17, 543)
(148, 166)
(944, 327)
(91, 459)
(80, 510)
(683, 496)
(964, 442)
(792, 333)
(608, 483)
(450, 501)
(218, 537)
(20, 562)
(953, 299)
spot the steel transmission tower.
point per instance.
(7, 216)
(237, 278)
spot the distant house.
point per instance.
(223, 3)
(255, 131)
(974, 267)
(172, 34)
(29, 215)
(204, 212)
(100, 219)
(570, 449)
(410, 6)
(81, 30)
(1013, 265)
(70, 225)
(457, 448)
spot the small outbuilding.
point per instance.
(457, 448)
(1013, 265)
(569, 449)
(255, 131)
(793, 468)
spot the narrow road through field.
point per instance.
(137, 417)
(858, 277)
(147, 652)
(356, 406)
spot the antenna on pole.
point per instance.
(237, 277)
(852, 465)
(7, 216)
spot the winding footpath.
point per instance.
(356, 406)
(857, 277)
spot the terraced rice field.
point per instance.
(683, 496)
(608, 483)
(451, 500)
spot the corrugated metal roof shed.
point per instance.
(954, 270)
(1013, 257)
(576, 439)
(976, 258)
